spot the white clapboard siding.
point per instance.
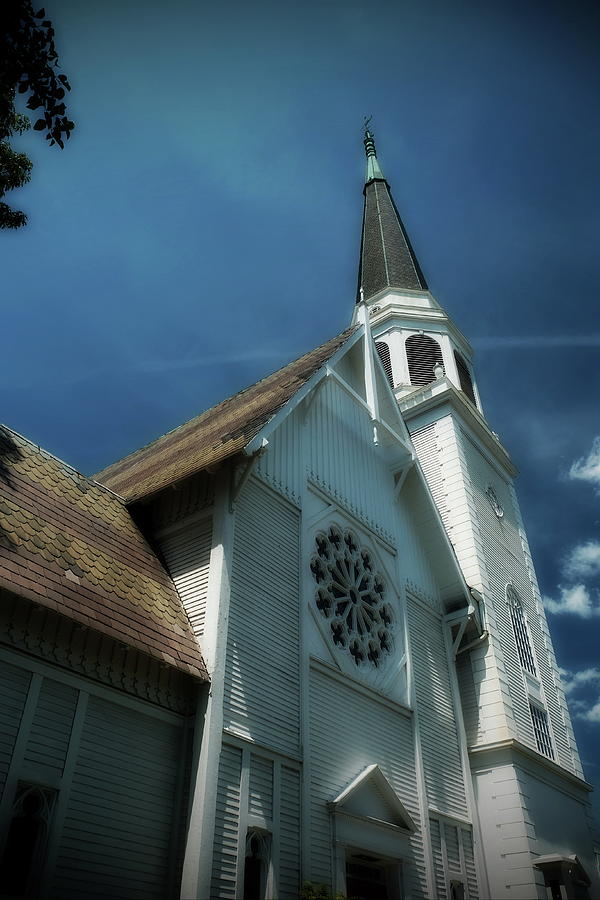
(428, 452)
(15, 685)
(439, 871)
(348, 732)
(187, 555)
(262, 698)
(469, 858)
(51, 727)
(437, 723)
(289, 834)
(227, 839)
(260, 791)
(117, 835)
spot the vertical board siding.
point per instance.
(15, 686)
(227, 841)
(289, 834)
(260, 792)
(350, 731)
(116, 836)
(437, 724)
(51, 727)
(187, 555)
(262, 695)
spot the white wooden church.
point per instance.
(297, 640)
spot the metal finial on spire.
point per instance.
(373, 169)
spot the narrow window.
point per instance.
(464, 377)
(384, 355)
(423, 355)
(541, 729)
(256, 865)
(519, 624)
(25, 848)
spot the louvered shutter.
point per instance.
(423, 355)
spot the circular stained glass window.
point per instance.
(351, 596)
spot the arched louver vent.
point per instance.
(384, 355)
(423, 355)
(517, 615)
(464, 376)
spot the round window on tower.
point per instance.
(495, 503)
(352, 597)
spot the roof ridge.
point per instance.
(195, 419)
(43, 452)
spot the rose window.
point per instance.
(350, 595)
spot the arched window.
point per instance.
(423, 355)
(519, 624)
(256, 865)
(464, 377)
(384, 355)
(25, 847)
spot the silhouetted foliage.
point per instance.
(28, 65)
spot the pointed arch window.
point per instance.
(384, 355)
(464, 377)
(519, 624)
(423, 354)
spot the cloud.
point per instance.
(573, 600)
(571, 681)
(583, 561)
(588, 467)
(586, 709)
(536, 341)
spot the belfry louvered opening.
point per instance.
(423, 355)
(464, 377)
(517, 615)
(384, 355)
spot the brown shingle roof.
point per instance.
(69, 544)
(215, 435)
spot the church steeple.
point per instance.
(387, 259)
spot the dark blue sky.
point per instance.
(202, 229)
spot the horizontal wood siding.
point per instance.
(431, 459)
(227, 841)
(289, 834)
(437, 724)
(260, 792)
(15, 685)
(262, 698)
(348, 732)
(51, 727)
(116, 836)
(187, 556)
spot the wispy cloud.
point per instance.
(571, 681)
(582, 707)
(535, 341)
(583, 561)
(588, 467)
(575, 600)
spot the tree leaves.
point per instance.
(28, 64)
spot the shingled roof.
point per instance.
(69, 544)
(216, 434)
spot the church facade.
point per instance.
(376, 707)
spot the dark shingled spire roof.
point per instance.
(387, 259)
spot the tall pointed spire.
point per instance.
(387, 259)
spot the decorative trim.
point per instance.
(332, 495)
(323, 668)
(51, 637)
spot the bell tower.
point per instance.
(531, 797)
